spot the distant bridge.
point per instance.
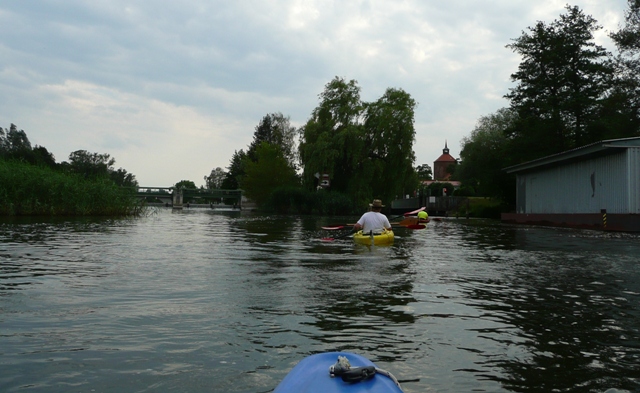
(196, 197)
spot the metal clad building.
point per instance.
(581, 187)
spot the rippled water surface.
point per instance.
(206, 301)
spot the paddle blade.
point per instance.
(333, 228)
(416, 226)
(414, 212)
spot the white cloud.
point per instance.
(154, 140)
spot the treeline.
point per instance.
(365, 148)
(568, 92)
(32, 183)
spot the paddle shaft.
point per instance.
(330, 239)
(405, 222)
(408, 213)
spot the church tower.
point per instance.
(442, 163)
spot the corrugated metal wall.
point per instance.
(583, 187)
(633, 155)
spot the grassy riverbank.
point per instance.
(34, 190)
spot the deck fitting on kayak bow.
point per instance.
(342, 368)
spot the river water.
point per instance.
(210, 301)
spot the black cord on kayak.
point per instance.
(342, 368)
(358, 374)
(409, 380)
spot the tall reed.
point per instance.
(34, 190)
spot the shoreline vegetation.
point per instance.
(35, 190)
(38, 190)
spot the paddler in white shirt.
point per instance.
(373, 220)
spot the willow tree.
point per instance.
(390, 134)
(366, 148)
(332, 141)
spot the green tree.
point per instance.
(424, 172)
(13, 140)
(236, 171)
(389, 138)
(14, 144)
(561, 82)
(270, 171)
(123, 179)
(627, 39)
(276, 129)
(486, 152)
(185, 184)
(3, 141)
(332, 141)
(366, 148)
(42, 156)
(90, 165)
(215, 178)
(98, 165)
(626, 96)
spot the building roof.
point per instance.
(446, 157)
(596, 149)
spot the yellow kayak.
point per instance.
(385, 238)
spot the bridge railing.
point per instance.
(219, 194)
(189, 195)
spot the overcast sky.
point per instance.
(172, 88)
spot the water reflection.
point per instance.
(31, 251)
(382, 292)
(229, 302)
(565, 307)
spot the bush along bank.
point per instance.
(480, 207)
(295, 200)
(36, 190)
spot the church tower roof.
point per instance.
(446, 157)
